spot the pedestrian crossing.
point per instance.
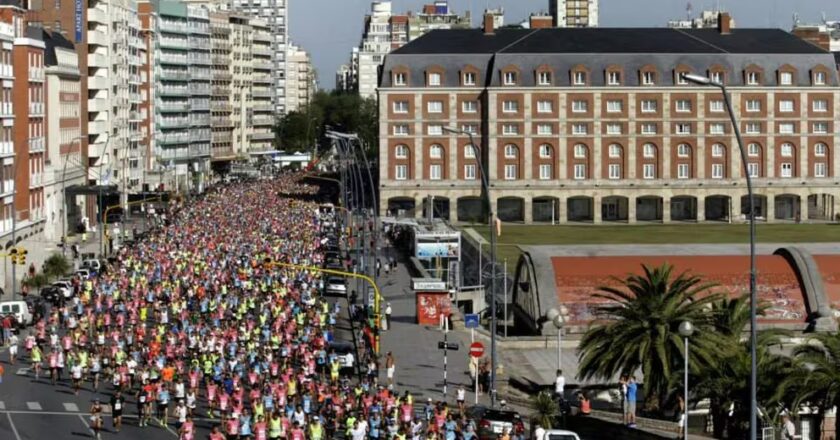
(51, 407)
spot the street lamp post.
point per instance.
(558, 318)
(490, 223)
(686, 330)
(701, 80)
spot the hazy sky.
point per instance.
(328, 29)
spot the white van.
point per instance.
(19, 309)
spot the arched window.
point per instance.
(718, 150)
(546, 151)
(511, 151)
(469, 151)
(436, 152)
(683, 150)
(580, 151)
(787, 149)
(615, 150)
(820, 149)
(401, 152)
(649, 150)
(753, 150)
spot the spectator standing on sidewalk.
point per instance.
(390, 368)
(388, 312)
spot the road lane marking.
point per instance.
(14, 429)
(93, 434)
(22, 371)
(2, 405)
(71, 407)
(33, 406)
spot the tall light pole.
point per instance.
(686, 330)
(559, 318)
(485, 185)
(701, 80)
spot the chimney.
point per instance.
(724, 23)
(541, 21)
(488, 24)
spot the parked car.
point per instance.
(492, 422)
(344, 353)
(65, 287)
(82, 273)
(51, 294)
(18, 309)
(559, 434)
(92, 265)
(336, 286)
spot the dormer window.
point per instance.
(819, 78)
(613, 78)
(753, 78)
(469, 78)
(786, 78)
(544, 78)
(509, 78)
(400, 79)
(579, 78)
(434, 79)
(648, 78)
(718, 77)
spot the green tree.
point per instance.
(545, 409)
(638, 329)
(55, 266)
(36, 281)
(817, 378)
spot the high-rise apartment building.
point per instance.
(301, 84)
(221, 147)
(275, 14)
(574, 13)
(825, 35)
(200, 89)
(263, 65)
(7, 121)
(573, 135)
(243, 79)
(434, 16)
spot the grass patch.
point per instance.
(513, 235)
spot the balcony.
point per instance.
(201, 74)
(7, 149)
(37, 145)
(36, 109)
(172, 139)
(173, 75)
(261, 93)
(200, 136)
(135, 60)
(6, 71)
(263, 107)
(173, 107)
(262, 36)
(97, 127)
(6, 110)
(174, 43)
(136, 98)
(262, 65)
(98, 83)
(98, 15)
(171, 123)
(97, 60)
(137, 42)
(98, 105)
(221, 137)
(261, 79)
(97, 38)
(177, 27)
(169, 58)
(173, 91)
(222, 76)
(200, 120)
(201, 105)
(200, 59)
(263, 120)
(199, 150)
(36, 180)
(262, 136)
(199, 28)
(135, 117)
(220, 106)
(200, 44)
(221, 121)
(261, 50)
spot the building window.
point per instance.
(545, 171)
(436, 152)
(544, 78)
(787, 170)
(434, 106)
(753, 105)
(580, 129)
(683, 150)
(683, 105)
(579, 78)
(580, 171)
(613, 78)
(580, 106)
(545, 151)
(401, 152)
(545, 106)
(682, 171)
(649, 128)
(819, 78)
(717, 171)
(753, 127)
(510, 78)
(435, 172)
(786, 105)
(580, 151)
(716, 106)
(510, 129)
(753, 169)
(511, 151)
(510, 172)
(717, 150)
(684, 128)
(786, 127)
(613, 128)
(614, 171)
(649, 106)
(649, 151)
(469, 151)
(820, 127)
(400, 79)
(434, 79)
(469, 78)
(820, 105)
(469, 128)
(614, 151)
(401, 172)
(544, 129)
(469, 172)
(717, 128)
(753, 150)
(718, 77)
(820, 149)
(819, 169)
(434, 130)
(614, 106)
(510, 106)
(400, 106)
(401, 130)
(648, 78)
(648, 171)
(787, 150)
(753, 78)
(786, 78)
(469, 106)
(680, 78)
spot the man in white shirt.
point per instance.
(559, 384)
(539, 433)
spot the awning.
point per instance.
(92, 190)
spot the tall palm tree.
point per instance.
(818, 379)
(638, 329)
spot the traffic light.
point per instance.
(13, 254)
(22, 256)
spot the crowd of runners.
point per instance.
(191, 327)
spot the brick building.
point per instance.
(595, 125)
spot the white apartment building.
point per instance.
(240, 67)
(261, 113)
(300, 79)
(221, 147)
(376, 43)
(574, 13)
(7, 120)
(275, 14)
(198, 18)
(707, 19)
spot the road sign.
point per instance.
(471, 320)
(476, 349)
(447, 345)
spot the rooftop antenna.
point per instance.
(688, 9)
(795, 19)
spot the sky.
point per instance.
(328, 29)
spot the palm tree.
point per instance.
(545, 409)
(817, 381)
(638, 329)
